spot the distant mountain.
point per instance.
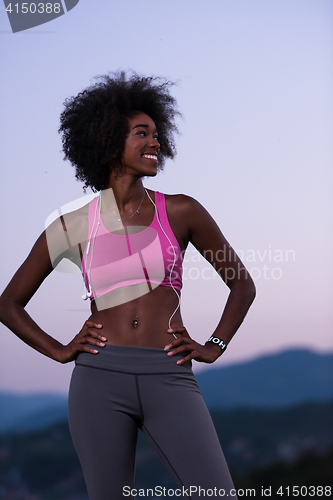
(274, 448)
(279, 380)
(276, 381)
(29, 412)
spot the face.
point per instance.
(141, 146)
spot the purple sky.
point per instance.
(255, 80)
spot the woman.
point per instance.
(133, 354)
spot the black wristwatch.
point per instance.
(215, 340)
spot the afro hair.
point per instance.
(94, 124)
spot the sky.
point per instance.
(254, 80)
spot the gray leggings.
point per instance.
(121, 389)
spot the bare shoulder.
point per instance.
(182, 205)
(189, 220)
(188, 209)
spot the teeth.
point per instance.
(153, 157)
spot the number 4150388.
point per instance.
(304, 491)
(33, 8)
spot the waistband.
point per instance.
(134, 360)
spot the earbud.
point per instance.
(87, 294)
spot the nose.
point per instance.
(154, 143)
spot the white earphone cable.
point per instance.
(90, 252)
(88, 292)
(173, 264)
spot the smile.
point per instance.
(151, 157)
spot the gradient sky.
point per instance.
(254, 87)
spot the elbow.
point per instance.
(251, 290)
(3, 308)
(7, 305)
(248, 292)
(249, 287)
(246, 288)
(244, 285)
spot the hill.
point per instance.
(270, 448)
(29, 412)
(276, 381)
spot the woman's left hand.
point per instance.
(207, 353)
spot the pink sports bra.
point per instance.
(151, 256)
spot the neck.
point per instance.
(128, 192)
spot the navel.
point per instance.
(135, 322)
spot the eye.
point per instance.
(142, 132)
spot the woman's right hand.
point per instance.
(87, 335)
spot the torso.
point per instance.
(151, 311)
(144, 321)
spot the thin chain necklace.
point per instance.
(137, 211)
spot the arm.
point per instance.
(21, 288)
(207, 238)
